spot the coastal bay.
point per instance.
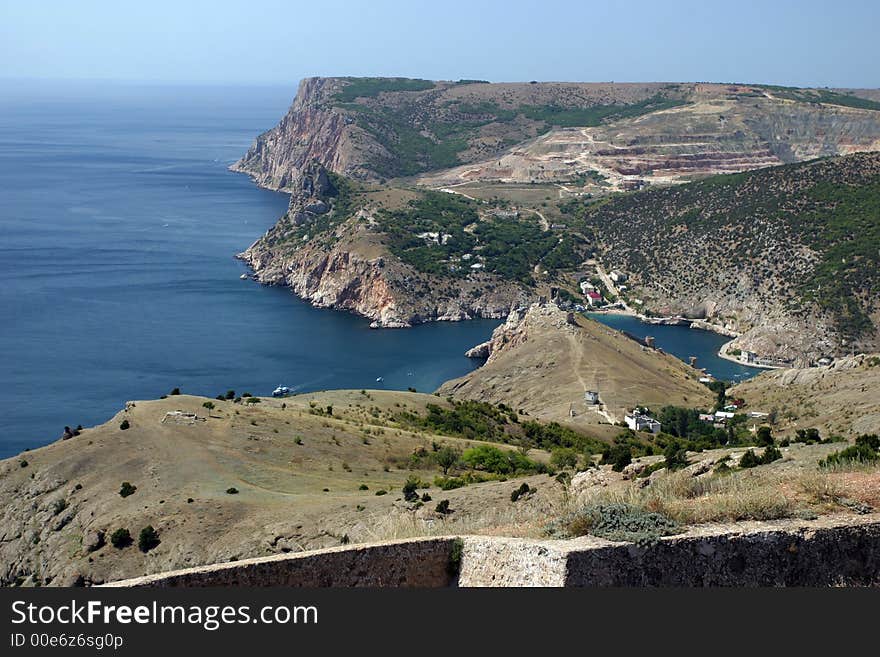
(120, 223)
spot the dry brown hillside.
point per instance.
(544, 359)
(842, 398)
(242, 480)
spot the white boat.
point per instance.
(379, 379)
(281, 391)
(243, 277)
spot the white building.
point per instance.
(639, 422)
(618, 276)
(591, 397)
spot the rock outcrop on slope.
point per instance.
(543, 359)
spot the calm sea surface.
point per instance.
(683, 342)
(118, 226)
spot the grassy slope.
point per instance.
(547, 373)
(839, 399)
(281, 504)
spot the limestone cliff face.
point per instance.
(339, 262)
(354, 275)
(311, 131)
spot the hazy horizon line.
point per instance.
(295, 80)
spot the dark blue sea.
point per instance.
(683, 342)
(118, 226)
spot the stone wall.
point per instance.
(835, 551)
(417, 562)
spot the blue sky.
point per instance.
(805, 43)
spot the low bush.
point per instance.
(120, 538)
(520, 492)
(409, 488)
(616, 522)
(124, 425)
(232, 490)
(865, 450)
(148, 539)
(442, 507)
(126, 489)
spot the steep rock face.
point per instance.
(311, 131)
(348, 267)
(386, 291)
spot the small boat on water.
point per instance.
(379, 379)
(243, 277)
(281, 391)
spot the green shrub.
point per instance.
(232, 490)
(492, 459)
(426, 497)
(523, 490)
(252, 400)
(749, 459)
(23, 463)
(230, 394)
(764, 437)
(120, 538)
(208, 405)
(381, 491)
(126, 489)
(176, 391)
(865, 450)
(563, 457)
(676, 457)
(409, 488)
(363, 487)
(771, 453)
(124, 425)
(148, 539)
(615, 522)
(442, 507)
(619, 456)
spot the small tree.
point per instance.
(442, 507)
(563, 457)
(148, 539)
(126, 489)
(124, 425)
(676, 458)
(230, 394)
(176, 391)
(209, 405)
(446, 458)
(409, 488)
(120, 538)
(764, 436)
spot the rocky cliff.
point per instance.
(750, 275)
(327, 250)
